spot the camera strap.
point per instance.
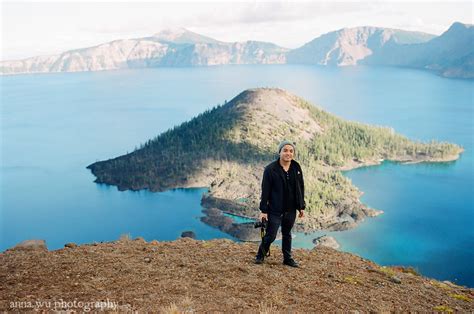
(262, 234)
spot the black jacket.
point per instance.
(273, 185)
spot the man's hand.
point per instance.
(263, 216)
(301, 214)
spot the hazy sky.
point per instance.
(39, 28)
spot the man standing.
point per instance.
(282, 196)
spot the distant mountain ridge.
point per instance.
(183, 36)
(350, 45)
(450, 54)
(178, 47)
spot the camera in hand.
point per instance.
(260, 224)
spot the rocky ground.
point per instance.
(196, 276)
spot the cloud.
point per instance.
(65, 25)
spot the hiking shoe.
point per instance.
(258, 260)
(290, 262)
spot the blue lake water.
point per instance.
(53, 126)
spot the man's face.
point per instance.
(286, 153)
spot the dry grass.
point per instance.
(267, 308)
(125, 237)
(460, 297)
(387, 271)
(407, 270)
(443, 308)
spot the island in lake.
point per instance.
(227, 147)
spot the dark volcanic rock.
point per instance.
(326, 241)
(242, 231)
(188, 234)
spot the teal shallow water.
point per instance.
(53, 126)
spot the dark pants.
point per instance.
(286, 220)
